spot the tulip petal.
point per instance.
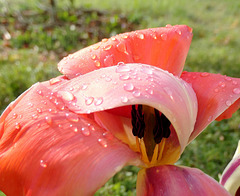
(231, 175)
(164, 47)
(172, 180)
(46, 149)
(215, 93)
(131, 84)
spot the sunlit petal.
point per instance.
(131, 84)
(171, 180)
(164, 47)
(215, 94)
(46, 149)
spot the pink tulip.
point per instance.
(69, 135)
(231, 174)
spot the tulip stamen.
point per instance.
(151, 129)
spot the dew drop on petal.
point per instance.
(108, 47)
(140, 36)
(98, 101)
(147, 70)
(124, 99)
(204, 74)
(66, 95)
(72, 117)
(34, 116)
(17, 126)
(84, 86)
(103, 142)
(15, 115)
(234, 82)
(48, 120)
(121, 47)
(221, 84)
(164, 36)
(39, 92)
(54, 81)
(216, 90)
(124, 76)
(228, 79)
(108, 61)
(128, 86)
(136, 93)
(104, 40)
(97, 63)
(85, 131)
(149, 90)
(89, 100)
(93, 57)
(39, 110)
(96, 47)
(178, 32)
(228, 103)
(75, 129)
(169, 92)
(121, 67)
(236, 91)
(43, 164)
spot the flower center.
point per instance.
(151, 129)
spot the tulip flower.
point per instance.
(123, 101)
(231, 174)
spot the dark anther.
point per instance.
(162, 127)
(138, 121)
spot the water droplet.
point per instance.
(108, 47)
(124, 76)
(210, 118)
(147, 70)
(125, 36)
(169, 92)
(128, 86)
(113, 38)
(236, 91)
(228, 103)
(221, 84)
(48, 120)
(228, 79)
(84, 86)
(72, 117)
(108, 79)
(234, 82)
(124, 99)
(104, 40)
(93, 57)
(91, 127)
(140, 36)
(15, 115)
(54, 81)
(39, 110)
(121, 67)
(149, 90)
(75, 129)
(204, 74)
(136, 93)
(97, 63)
(96, 47)
(39, 92)
(178, 31)
(121, 47)
(216, 90)
(34, 116)
(103, 142)
(89, 100)
(98, 101)
(136, 57)
(108, 61)
(85, 131)
(17, 126)
(164, 36)
(168, 25)
(66, 95)
(43, 164)
(30, 104)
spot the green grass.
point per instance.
(33, 56)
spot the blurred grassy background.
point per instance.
(34, 36)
